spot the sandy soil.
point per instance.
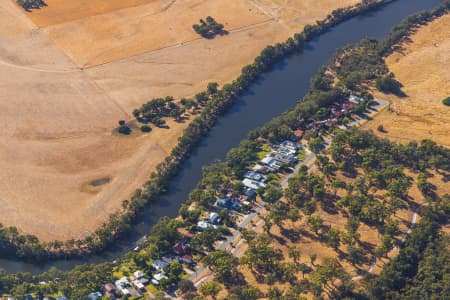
(58, 116)
(422, 67)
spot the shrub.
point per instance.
(146, 128)
(209, 28)
(446, 101)
(124, 129)
(387, 84)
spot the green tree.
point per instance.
(332, 238)
(316, 223)
(211, 288)
(272, 194)
(315, 144)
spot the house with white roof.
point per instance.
(159, 265)
(123, 284)
(252, 184)
(271, 162)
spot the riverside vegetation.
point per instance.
(215, 103)
(84, 279)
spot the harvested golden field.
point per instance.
(422, 67)
(58, 116)
(62, 11)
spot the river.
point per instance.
(274, 93)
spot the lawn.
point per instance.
(301, 154)
(265, 149)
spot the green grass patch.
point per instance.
(152, 289)
(301, 154)
(265, 149)
(273, 178)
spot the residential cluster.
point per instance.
(254, 179)
(337, 114)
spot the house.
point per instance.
(299, 134)
(180, 248)
(286, 151)
(123, 284)
(159, 265)
(187, 259)
(94, 296)
(110, 290)
(291, 145)
(354, 99)
(330, 122)
(270, 162)
(283, 159)
(168, 258)
(138, 274)
(228, 203)
(139, 285)
(252, 184)
(203, 224)
(255, 176)
(140, 277)
(139, 280)
(214, 218)
(262, 169)
(250, 193)
(338, 113)
(157, 278)
(348, 106)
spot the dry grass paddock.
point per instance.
(308, 243)
(70, 71)
(422, 67)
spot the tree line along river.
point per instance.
(274, 93)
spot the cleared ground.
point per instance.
(422, 66)
(70, 71)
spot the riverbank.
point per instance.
(164, 234)
(290, 82)
(118, 223)
(61, 137)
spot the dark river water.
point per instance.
(273, 94)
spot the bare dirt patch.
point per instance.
(422, 67)
(57, 119)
